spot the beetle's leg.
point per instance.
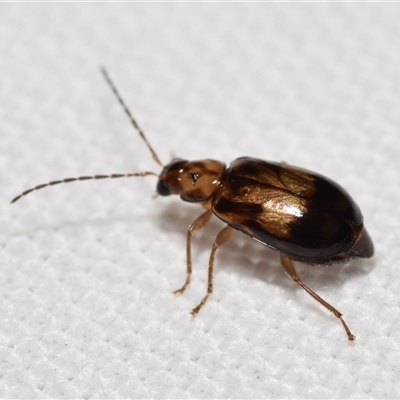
(288, 267)
(197, 224)
(221, 238)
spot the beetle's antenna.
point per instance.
(130, 116)
(82, 178)
(110, 176)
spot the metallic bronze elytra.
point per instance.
(302, 215)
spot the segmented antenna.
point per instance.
(111, 176)
(130, 116)
(82, 178)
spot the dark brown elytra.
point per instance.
(302, 215)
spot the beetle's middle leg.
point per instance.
(288, 267)
(196, 225)
(221, 238)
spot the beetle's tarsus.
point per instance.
(182, 289)
(196, 310)
(350, 336)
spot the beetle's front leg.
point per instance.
(197, 224)
(221, 238)
(288, 267)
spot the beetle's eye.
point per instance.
(194, 176)
(162, 188)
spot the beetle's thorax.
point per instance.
(194, 181)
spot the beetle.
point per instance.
(302, 215)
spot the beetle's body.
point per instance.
(304, 216)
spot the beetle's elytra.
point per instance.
(302, 215)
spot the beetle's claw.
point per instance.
(350, 336)
(195, 310)
(179, 291)
(183, 288)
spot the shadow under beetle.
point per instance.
(302, 215)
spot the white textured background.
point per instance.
(88, 269)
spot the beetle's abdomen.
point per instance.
(296, 212)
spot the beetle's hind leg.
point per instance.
(197, 224)
(288, 267)
(221, 238)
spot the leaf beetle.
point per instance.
(302, 215)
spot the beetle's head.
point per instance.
(194, 181)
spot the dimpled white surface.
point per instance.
(88, 269)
